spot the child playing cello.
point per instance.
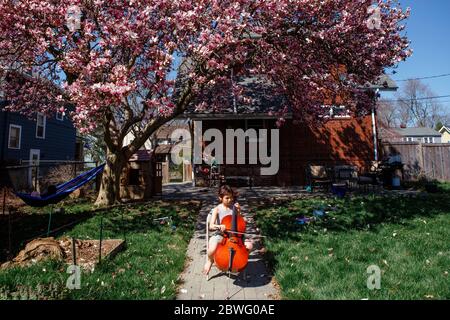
(226, 197)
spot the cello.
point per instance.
(231, 254)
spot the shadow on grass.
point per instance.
(117, 223)
(151, 216)
(278, 221)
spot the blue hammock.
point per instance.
(62, 190)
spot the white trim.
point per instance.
(62, 116)
(9, 135)
(45, 124)
(444, 128)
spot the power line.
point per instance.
(427, 98)
(423, 78)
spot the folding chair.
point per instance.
(318, 175)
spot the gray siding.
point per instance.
(59, 142)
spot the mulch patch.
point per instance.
(86, 252)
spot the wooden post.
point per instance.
(4, 200)
(35, 178)
(74, 255)
(49, 221)
(9, 233)
(9, 224)
(101, 236)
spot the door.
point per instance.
(33, 171)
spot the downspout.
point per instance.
(232, 90)
(374, 126)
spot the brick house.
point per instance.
(342, 140)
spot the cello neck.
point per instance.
(234, 218)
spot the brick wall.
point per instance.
(342, 141)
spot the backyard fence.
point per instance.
(431, 161)
(36, 176)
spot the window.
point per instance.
(15, 133)
(339, 112)
(59, 116)
(40, 126)
(336, 112)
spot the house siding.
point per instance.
(445, 138)
(58, 144)
(340, 141)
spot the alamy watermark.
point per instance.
(374, 21)
(73, 18)
(74, 280)
(233, 145)
(374, 279)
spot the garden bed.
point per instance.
(87, 252)
(149, 268)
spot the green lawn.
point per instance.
(408, 238)
(148, 268)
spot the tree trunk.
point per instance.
(109, 193)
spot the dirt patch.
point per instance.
(86, 252)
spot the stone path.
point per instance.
(253, 284)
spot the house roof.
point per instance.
(445, 128)
(165, 131)
(417, 132)
(163, 148)
(264, 102)
(384, 83)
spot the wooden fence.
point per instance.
(429, 160)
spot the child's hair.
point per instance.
(226, 189)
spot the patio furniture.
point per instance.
(372, 178)
(318, 175)
(346, 174)
(216, 177)
(339, 189)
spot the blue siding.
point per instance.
(59, 142)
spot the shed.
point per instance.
(140, 179)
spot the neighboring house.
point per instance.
(421, 134)
(341, 140)
(35, 138)
(161, 140)
(162, 145)
(42, 138)
(445, 134)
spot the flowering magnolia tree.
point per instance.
(111, 60)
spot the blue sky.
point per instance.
(428, 29)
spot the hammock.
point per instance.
(62, 190)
